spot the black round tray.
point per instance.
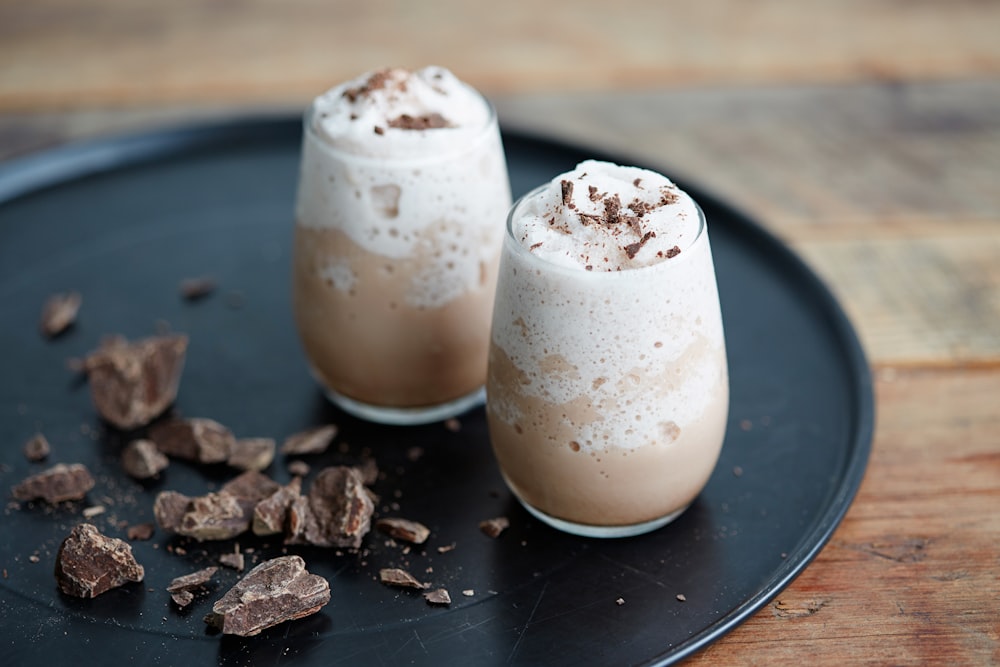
(125, 220)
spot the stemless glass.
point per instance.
(607, 392)
(394, 265)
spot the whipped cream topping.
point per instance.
(606, 217)
(394, 112)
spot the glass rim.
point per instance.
(700, 238)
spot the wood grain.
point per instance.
(87, 53)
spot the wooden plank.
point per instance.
(910, 577)
(85, 53)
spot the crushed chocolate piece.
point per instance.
(446, 548)
(468, 592)
(169, 509)
(299, 468)
(431, 121)
(141, 531)
(493, 527)
(182, 589)
(438, 596)
(59, 313)
(142, 460)
(252, 486)
(252, 453)
(133, 383)
(379, 130)
(270, 515)
(37, 449)
(233, 560)
(453, 425)
(313, 441)
(59, 483)
(94, 510)
(404, 529)
(90, 563)
(200, 440)
(593, 193)
(632, 249)
(636, 182)
(681, 597)
(621, 601)
(376, 81)
(277, 590)
(673, 252)
(336, 513)
(394, 576)
(214, 516)
(193, 289)
(567, 193)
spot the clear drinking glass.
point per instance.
(607, 393)
(394, 264)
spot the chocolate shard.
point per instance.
(438, 596)
(191, 582)
(90, 563)
(394, 576)
(169, 509)
(270, 515)
(182, 598)
(37, 449)
(214, 516)
(252, 453)
(200, 440)
(250, 486)
(313, 441)
(59, 313)
(59, 483)
(493, 527)
(133, 383)
(404, 529)
(142, 460)
(233, 560)
(336, 513)
(275, 591)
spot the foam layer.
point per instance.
(606, 217)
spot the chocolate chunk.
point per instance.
(439, 597)
(394, 576)
(142, 460)
(193, 289)
(59, 313)
(632, 249)
(169, 509)
(299, 468)
(141, 531)
(313, 441)
(673, 252)
(37, 449)
(252, 453)
(404, 529)
(133, 383)
(275, 591)
(431, 121)
(336, 513)
(252, 486)
(233, 560)
(201, 440)
(214, 516)
(493, 527)
(58, 483)
(270, 515)
(182, 589)
(89, 563)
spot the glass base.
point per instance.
(587, 530)
(382, 414)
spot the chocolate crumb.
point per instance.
(379, 130)
(414, 453)
(312, 441)
(182, 589)
(632, 249)
(94, 510)
(404, 529)
(468, 592)
(182, 598)
(37, 449)
(298, 468)
(737, 471)
(59, 313)
(681, 597)
(673, 252)
(142, 460)
(133, 383)
(394, 576)
(621, 601)
(593, 193)
(199, 439)
(438, 597)
(636, 182)
(234, 560)
(446, 548)
(89, 563)
(252, 453)
(193, 289)
(277, 590)
(141, 532)
(493, 527)
(57, 484)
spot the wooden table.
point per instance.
(865, 133)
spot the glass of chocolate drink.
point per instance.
(402, 195)
(608, 391)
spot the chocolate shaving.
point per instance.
(438, 596)
(493, 527)
(394, 576)
(251, 453)
(59, 313)
(313, 441)
(133, 383)
(90, 563)
(142, 460)
(57, 484)
(632, 249)
(567, 193)
(37, 449)
(404, 529)
(431, 121)
(200, 440)
(275, 591)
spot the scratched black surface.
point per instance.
(124, 220)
